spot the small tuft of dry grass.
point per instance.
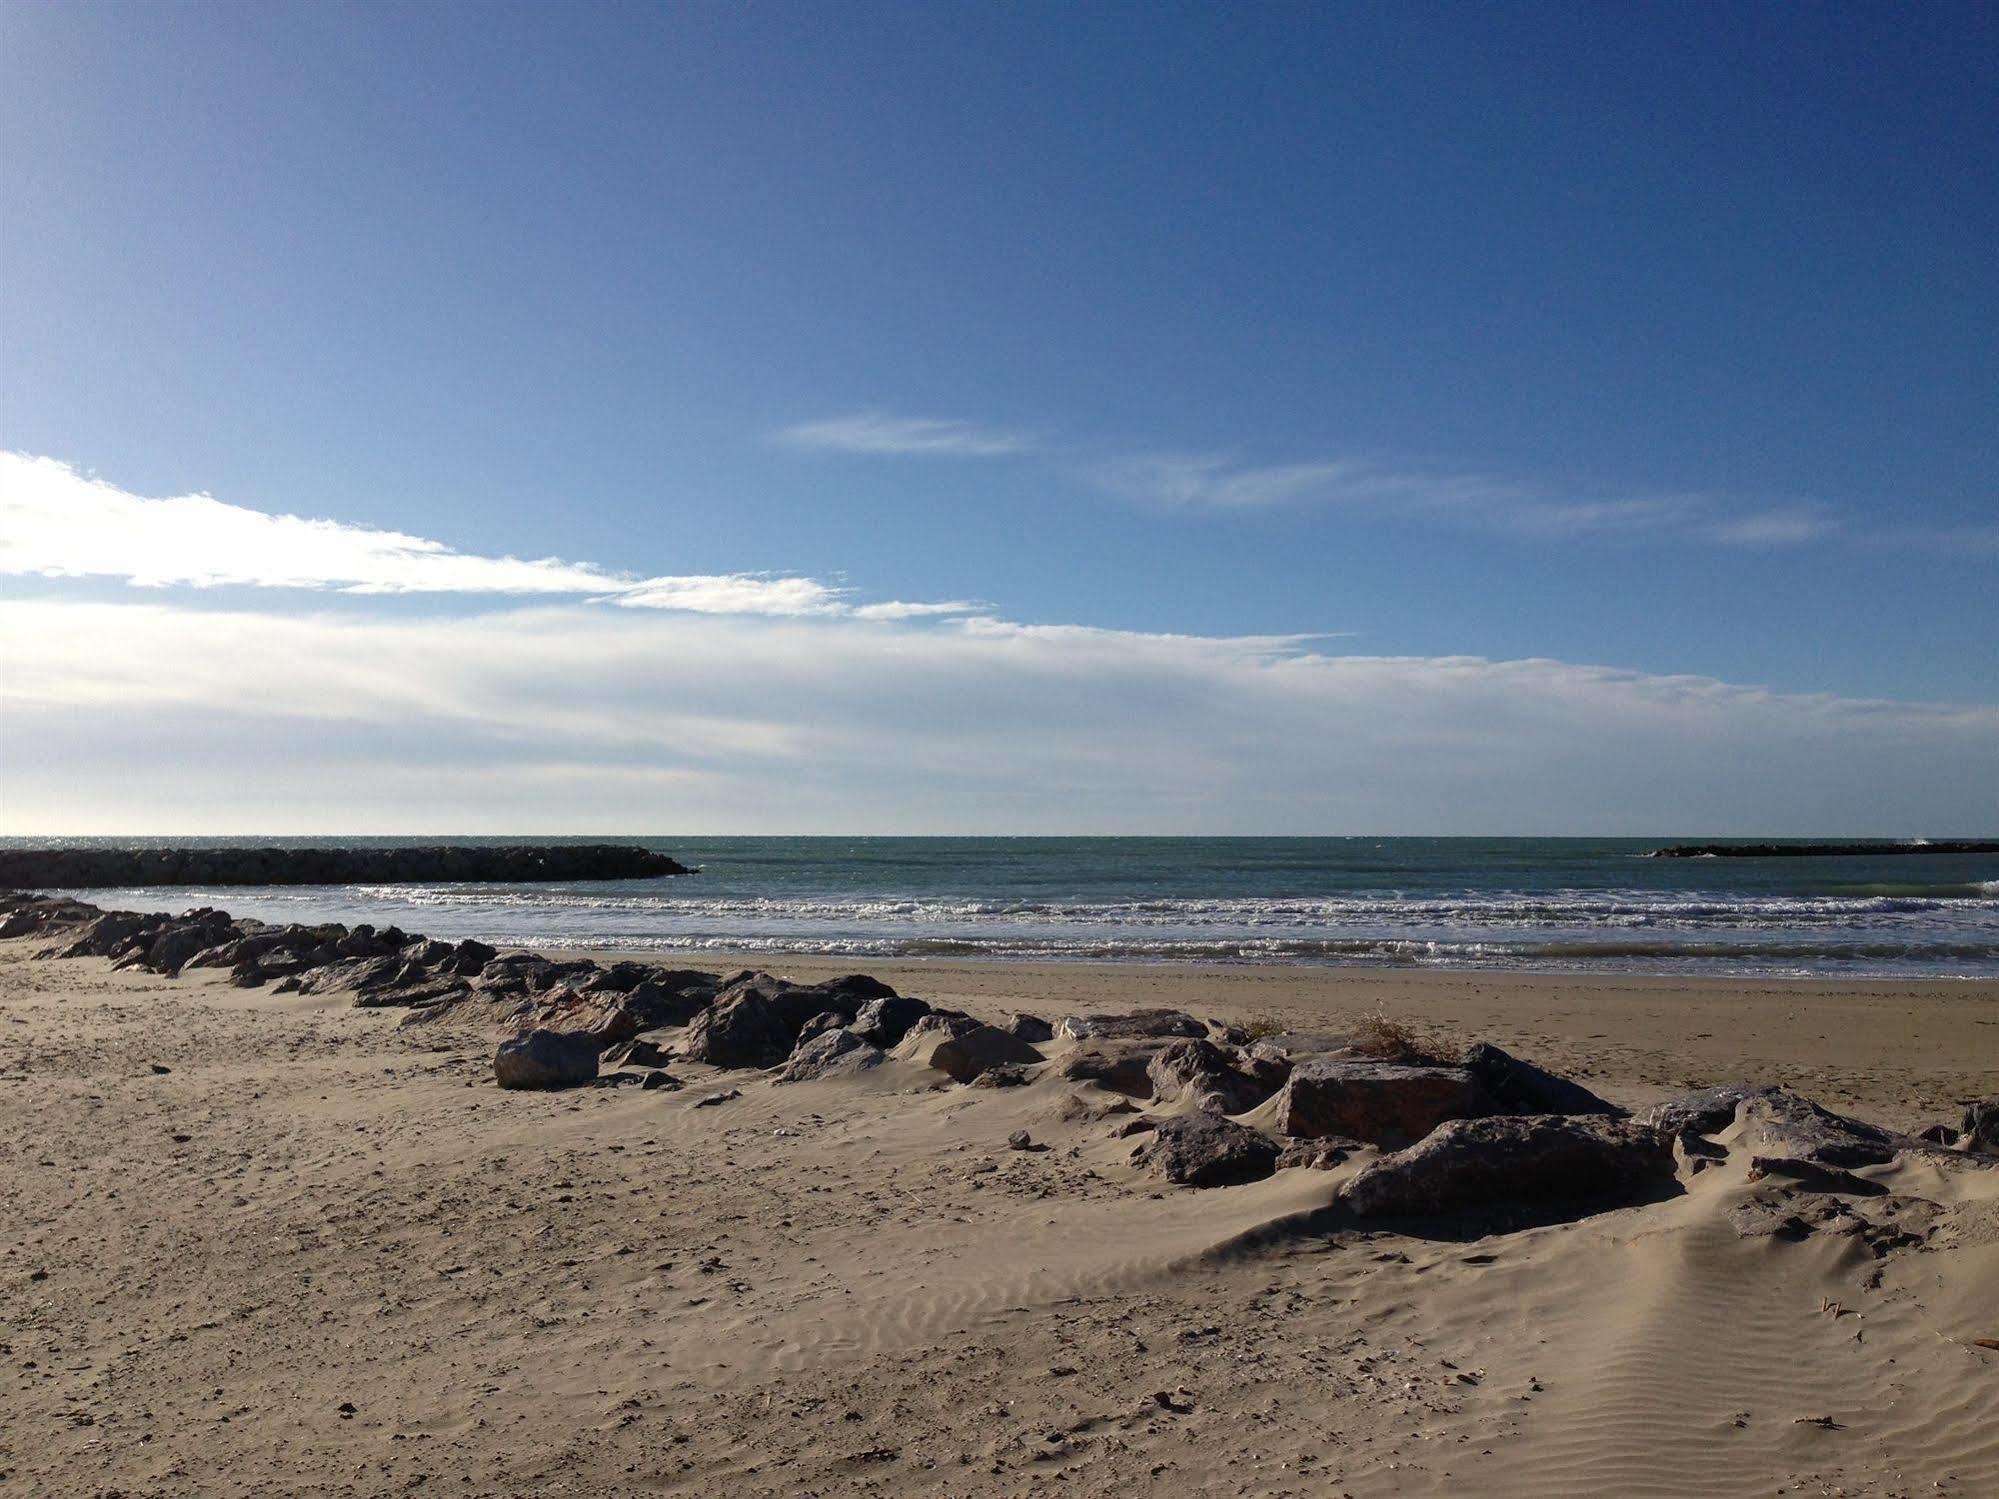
(1389, 1040)
(1262, 1026)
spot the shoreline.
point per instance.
(750, 957)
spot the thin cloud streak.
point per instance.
(1211, 482)
(900, 436)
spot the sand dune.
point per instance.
(322, 1254)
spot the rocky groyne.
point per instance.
(1475, 1131)
(1822, 850)
(91, 868)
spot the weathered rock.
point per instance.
(1979, 1133)
(1207, 1076)
(1705, 1111)
(1094, 1107)
(1020, 1139)
(930, 1029)
(29, 914)
(360, 975)
(1789, 1215)
(1030, 1028)
(671, 996)
(103, 937)
(1316, 1155)
(884, 1022)
(545, 1059)
(1006, 1075)
(1882, 1222)
(788, 1006)
(656, 1079)
(1267, 1063)
(1519, 1087)
(413, 996)
(468, 957)
(1780, 1126)
(1122, 1066)
(530, 973)
(818, 1025)
(1206, 1150)
(636, 1053)
(963, 1054)
(170, 952)
(1379, 1102)
(1467, 1163)
(830, 1052)
(1136, 1025)
(1813, 1176)
(1693, 1155)
(740, 1030)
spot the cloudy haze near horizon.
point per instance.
(765, 704)
(832, 422)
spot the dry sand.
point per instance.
(325, 1255)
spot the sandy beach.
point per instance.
(262, 1243)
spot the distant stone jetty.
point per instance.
(84, 868)
(1821, 850)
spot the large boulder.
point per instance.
(1779, 1127)
(1206, 1150)
(469, 956)
(829, 1053)
(885, 1021)
(1206, 1075)
(739, 1030)
(531, 973)
(818, 1025)
(1136, 1025)
(545, 1059)
(789, 1006)
(963, 1051)
(1979, 1133)
(1378, 1102)
(355, 975)
(1467, 1163)
(1519, 1087)
(667, 996)
(1121, 1066)
(1030, 1028)
(104, 936)
(1705, 1111)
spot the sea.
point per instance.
(1574, 904)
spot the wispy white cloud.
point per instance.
(897, 609)
(59, 523)
(1454, 495)
(926, 437)
(736, 593)
(567, 717)
(1788, 526)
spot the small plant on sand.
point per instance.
(1391, 1041)
(1262, 1026)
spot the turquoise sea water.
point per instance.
(1543, 903)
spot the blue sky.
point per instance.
(1654, 340)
